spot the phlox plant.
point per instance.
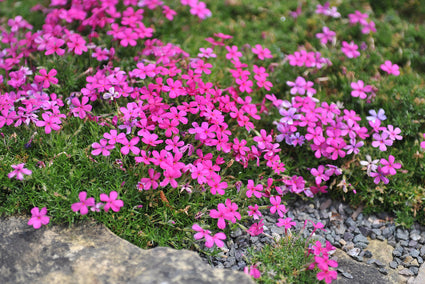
(183, 125)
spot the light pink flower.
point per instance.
(390, 68)
(19, 171)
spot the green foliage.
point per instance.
(284, 262)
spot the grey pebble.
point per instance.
(360, 239)
(393, 264)
(347, 275)
(414, 253)
(383, 271)
(379, 263)
(414, 270)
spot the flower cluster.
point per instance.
(110, 202)
(170, 123)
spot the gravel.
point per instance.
(345, 228)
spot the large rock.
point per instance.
(365, 273)
(90, 253)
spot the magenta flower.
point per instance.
(390, 68)
(423, 142)
(256, 228)
(46, 78)
(261, 52)
(350, 49)
(326, 36)
(358, 17)
(319, 174)
(254, 189)
(252, 271)
(379, 176)
(84, 203)
(389, 167)
(254, 212)
(233, 53)
(111, 201)
(327, 275)
(101, 147)
(360, 90)
(216, 239)
(50, 122)
(280, 208)
(19, 171)
(80, 109)
(221, 214)
(201, 232)
(368, 28)
(38, 217)
(286, 223)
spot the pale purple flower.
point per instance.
(379, 176)
(353, 147)
(374, 116)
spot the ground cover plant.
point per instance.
(174, 123)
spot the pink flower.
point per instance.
(200, 9)
(360, 90)
(50, 122)
(358, 17)
(389, 167)
(261, 52)
(46, 78)
(423, 142)
(19, 171)
(201, 232)
(254, 212)
(80, 109)
(381, 141)
(369, 27)
(111, 201)
(84, 203)
(390, 68)
(326, 36)
(286, 223)
(252, 271)
(103, 148)
(301, 86)
(256, 190)
(327, 275)
(216, 239)
(38, 217)
(280, 208)
(350, 49)
(256, 228)
(152, 181)
(233, 53)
